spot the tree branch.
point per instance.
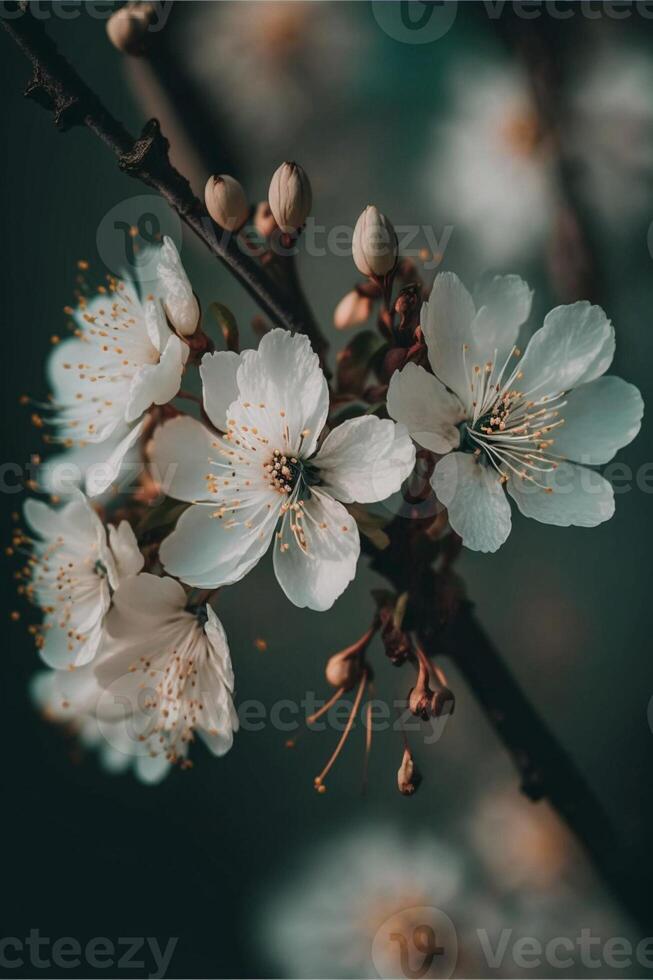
(57, 87)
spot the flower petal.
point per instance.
(316, 574)
(284, 375)
(575, 345)
(157, 384)
(430, 412)
(600, 418)
(504, 304)
(180, 456)
(100, 476)
(573, 495)
(206, 551)
(126, 553)
(474, 496)
(447, 325)
(219, 388)
(365, 459)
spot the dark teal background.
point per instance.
(86, 854)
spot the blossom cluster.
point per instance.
(137, 658)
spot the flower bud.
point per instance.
(420, 701)
(408, 776)
(264, 220)
(443, 702)
(374, 245)
(343, 671)
(127, 28)
(180, 303)
(352, 310)
(226, 201)
(290, 197)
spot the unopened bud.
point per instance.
(408, 777)
(290, 197)
(180, 303)
(226, 201)
(352, 310)
(420, 701)
(127, 28)
(264, 220)
(443, 702)
(343, 671)
(374, 245)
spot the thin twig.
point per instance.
(56, 85)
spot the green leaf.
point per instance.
(227, 323)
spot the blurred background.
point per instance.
(525, 146)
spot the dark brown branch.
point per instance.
(56, 85)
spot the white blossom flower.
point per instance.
(522, 424)
(123, 359)
(73, 698)
(266, 479)
(334, 919)
(168, 667)
(491, 171)
(73, 570)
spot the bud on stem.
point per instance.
(290, 197)
(226, 201)
(408, 776)
(374, 245)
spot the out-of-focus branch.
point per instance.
(56, 85)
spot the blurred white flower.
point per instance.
(490, 172)
(266, 479)
(504, 421)
(123, 359)
(72, 697)
(332, 919)
(300, 54)
(610, 133)
(73, 570)
(169, 668)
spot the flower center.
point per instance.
(286, 473)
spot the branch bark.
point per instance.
(57, 87)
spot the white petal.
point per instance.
(180, 458)
(285, 375)
(157, 384)
(206, 551)
(474, 496)
(430, 412)
(447, 325)
(219, 388)
(127, 556)
(100, 476)
(155, 323)
(56, 651)
(600, 417)
(575, 495)
(145, 597)
(317, 574)
(574, 346)
(151, 769)
(217, 638)
(180, 302)
(504, 304)
(365, 459)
